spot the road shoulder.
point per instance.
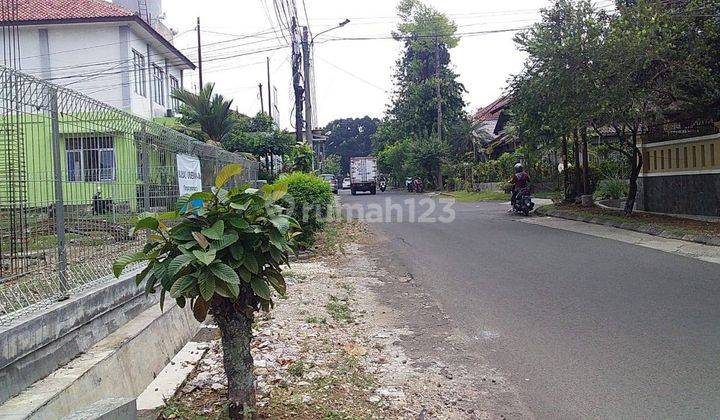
(694, 250)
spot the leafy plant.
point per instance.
(612, 188)
(309, 198)
(221, 254)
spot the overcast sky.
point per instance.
(353, 78)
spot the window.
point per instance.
(158, 84)
(139, 73)
(90, 159)
(174, 85)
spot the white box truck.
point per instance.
(363, 174)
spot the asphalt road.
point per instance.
(585, 327)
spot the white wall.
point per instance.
(96, 60)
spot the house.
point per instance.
(681, 168)
(489, 128)
(118, 53)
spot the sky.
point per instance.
(353, 78)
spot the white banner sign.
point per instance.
(189, 175)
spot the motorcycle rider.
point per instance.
(519, 180)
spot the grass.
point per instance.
(338, 310)
(675, 225)
(297, 368)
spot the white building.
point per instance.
(121, 56)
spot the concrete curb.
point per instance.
(650, 230)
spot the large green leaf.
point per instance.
(224, 242)
(244, 274)
(260, 287)
(277, 281)
(205, 257)
(215, 231)
(281, 223)
(178, 263)
(122, 262)
(237, 251)
(147, 222)
(250, 262)
(206, 284)
(224, 273)
(226, 173)
(181, 285)
(238, 222)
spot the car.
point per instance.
(330, 178)
(346, 184)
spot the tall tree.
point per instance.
(350, 137)
(422, 70)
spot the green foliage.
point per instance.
(594, 174)
(611, 188)
(498, 170)
(332, 165)
(221, 245)
(427, 37)
(309, 198)
(395, 160)
(300, 158)
(350, 137)
(206, 113)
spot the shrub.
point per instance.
(220, 252)
(611, 188)
(309, 198)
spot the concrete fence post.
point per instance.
(59, 214)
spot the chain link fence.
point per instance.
(74, 172)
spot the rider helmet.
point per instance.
(518, 168)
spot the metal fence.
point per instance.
(73, 174)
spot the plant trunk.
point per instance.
(585, 162)
(236, 329)
(439, 179)
(566, 175)
(576, 159)
(635, 162)
(272, 165)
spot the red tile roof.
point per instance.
(492, 112)
(44, 10)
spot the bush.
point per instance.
(593, 181)
(309, 198)
(611, 189)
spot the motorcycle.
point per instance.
(418, 186)
(383, 185)
(523, 202)
(409, 184)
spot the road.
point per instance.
(585, 327)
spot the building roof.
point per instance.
(45, 10)
(492, 112)
(54, 12)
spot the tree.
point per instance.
(300, 158)
(427, 37)
(350, 137)
(259, 137)
(395, 160)
(222, 255)
(206, 112)
(332, 165)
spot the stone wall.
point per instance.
(680, 194)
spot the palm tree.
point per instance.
(207, 112)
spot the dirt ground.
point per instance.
(357, 338)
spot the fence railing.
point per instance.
(74, 172)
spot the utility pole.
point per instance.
(199, 46)
(262, 101)
(306, 73)
(297, 85)
(269, 91)
(439, 106)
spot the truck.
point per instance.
(363, 174)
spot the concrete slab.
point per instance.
(702, 252)
(120, 365)
(171, 377)
(107, 409)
